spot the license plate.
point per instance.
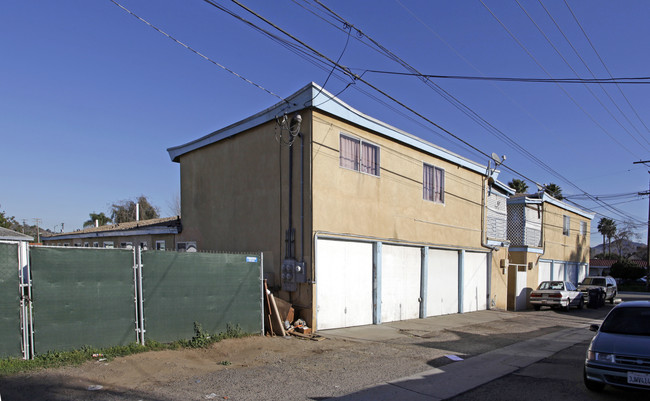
(638, 378)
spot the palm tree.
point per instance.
(607, 227)
(100, 217)
(519, 186)
(554, 190)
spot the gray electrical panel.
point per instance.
(292, 273)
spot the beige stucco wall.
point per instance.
(235, 197)
(391, 206)
(499, 280)
(557, 246)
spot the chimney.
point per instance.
(96, 222)
(137, 212)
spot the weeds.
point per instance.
(54, 359)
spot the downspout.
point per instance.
(289, 234)
(302, 197)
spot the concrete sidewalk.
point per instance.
(458, 377)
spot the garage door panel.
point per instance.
(558, 271)
(442, 282)
(544, 272)
(475, 282)
(400, 283)
(343, 284)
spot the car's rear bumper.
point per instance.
(549, 302)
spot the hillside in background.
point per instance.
(629, 249)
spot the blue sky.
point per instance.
(91, 97)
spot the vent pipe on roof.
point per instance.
(137, 212)
(96, 222)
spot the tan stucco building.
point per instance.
(549, 240)
(359, 222)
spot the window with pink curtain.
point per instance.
(349, 153)
(358, 155)
(369, 159)
(433, 184)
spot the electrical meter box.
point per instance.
(292, 273)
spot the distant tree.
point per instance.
(519, 186)
(124, 211)
(554, 190)
(100, 217)
(174, 205)
(7, 221)
(623, 236)
(607, 227)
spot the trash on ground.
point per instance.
(454, 357)
(94, 387)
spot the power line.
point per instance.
(198, 53)
(577, 53)
(495, 130)
(512, 35)
(604, 65)
(620, 80)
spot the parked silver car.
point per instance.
(556, 294)
(619, 354)
(607, 284)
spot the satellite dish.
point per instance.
(496, 158)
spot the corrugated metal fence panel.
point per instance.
(82, 296)
(211, 289)
(9, 302)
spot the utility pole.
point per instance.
(648, 239)
(38, 230)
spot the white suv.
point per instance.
(607, 284)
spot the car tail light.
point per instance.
(533, 295)
(555, 295)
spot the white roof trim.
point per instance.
(124, 233)
(314, 96)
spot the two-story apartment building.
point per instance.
(359, 221)
(549, 240)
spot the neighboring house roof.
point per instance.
(610, 262)
(315, 97)
(164, 225)
(11, 235)
(544, 197)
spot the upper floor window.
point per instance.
(566, 227)
(359, 155)
(433, 184)
(583, 228)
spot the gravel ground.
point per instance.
(277, 368)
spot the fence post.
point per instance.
(140, 297)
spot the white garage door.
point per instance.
(400, 283)
(442, 282)
(582, 273)
(343, 284)
(475, 282)
(572, 273)
(544, 272)
(558, 271)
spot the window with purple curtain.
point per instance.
(358, 155)
(369, 159)
(433, 184)
(349, 153)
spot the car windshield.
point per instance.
(551, 285)
(634, 321)
(594, 281)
